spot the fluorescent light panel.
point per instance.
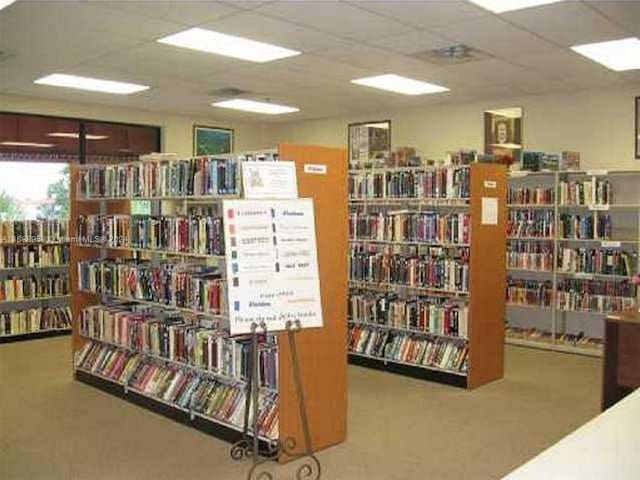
(617, 55)
(256, 107)
(398, 84)
(5, 3)
(501, 6)
(27, 144)
(88, 136)
(91, 84)
(227, 45)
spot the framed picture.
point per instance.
(638, 128)
(211, 140)
(369, 143)
(503, 134)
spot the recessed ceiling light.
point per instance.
(5, 3)
(227, 45)
(257, 107)
(398, 84)
(91, 84)
(501, 6)
(618, 55)
(88, 136)
(27, 144)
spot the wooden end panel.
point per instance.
(487, 276)
(322, 352)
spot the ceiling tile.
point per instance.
(334, 17)
(412, 42)
(184, 12)
(272, 30)
(626, 13)
(495, 36)
(424, 14)
(566, 23)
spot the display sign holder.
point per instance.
(249, 445)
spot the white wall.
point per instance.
(177, 129)
(597, 123)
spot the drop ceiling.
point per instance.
(526, 51)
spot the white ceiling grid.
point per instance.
(340, 41)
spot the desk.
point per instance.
(621, 366)
(604, 448)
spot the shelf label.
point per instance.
(315, 169)
(586, 276)
(140, 207)
(271, 264)
(490, 184)
(518, 173)
(610, 244)
(597, 172)
(598, 208)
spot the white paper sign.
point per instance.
(269, 180)
(610, 244)
(489, 211)
(490, 184)
(316, 169)
(272, 264)
(598, 207)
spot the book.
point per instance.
(34, 231)
(25, 287)
(34, 320)
(33, 256)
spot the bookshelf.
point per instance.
(426, 273)
(320, 351)
(583, 235)
(34, 292)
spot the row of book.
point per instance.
(184, 388)
(410, 348)
(24, 256)
(595, 296)
(531, 196)
(532, 293)
(174, 284)
(193, 234)
(437, 316)
(579, 340)
(434, 269)
(523, 255)
(531, 223)
(173, 337)
(404, 226)
(597, 261)
(444, 182)
(162, 178)
(34, 231)
(31, 320)
(573, 294)
(585, 227)
(33, 286)
(595, 191)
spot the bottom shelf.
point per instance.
(20, 337)
(213, 428)
(415, 371)
(554, 347)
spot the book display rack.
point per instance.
(34, 279)
(149, 298)
(427, 271)
(573, 245)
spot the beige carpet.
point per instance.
(54, 428)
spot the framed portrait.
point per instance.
(503, 134)
(369, 143)
(637, 133)
(211, 140)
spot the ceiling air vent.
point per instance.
(229, 92)
(452, 55)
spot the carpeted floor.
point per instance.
(399, 428)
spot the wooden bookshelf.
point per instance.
(485, 299)
(552, 320)
(321, 352)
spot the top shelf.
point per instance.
(190, 198)
(422, 168)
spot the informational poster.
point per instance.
(272, 264)
(489, 211)
(269, 180)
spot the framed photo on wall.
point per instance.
(369, 143)
(503, 134)
(212, 140)
(637, 133)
